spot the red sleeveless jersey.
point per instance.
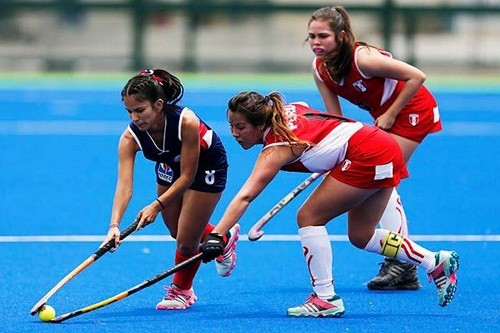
(328, 136)
(376, 94)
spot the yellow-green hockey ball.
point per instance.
(46, 313)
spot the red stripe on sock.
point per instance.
(401, 218)
(308, 262)
(408, 243)
(409, 254)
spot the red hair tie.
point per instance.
(150, 72)
(157, 79)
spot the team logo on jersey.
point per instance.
(291, 116)
(345, 165)
(165, 173)
(413, 119)
(359, 85)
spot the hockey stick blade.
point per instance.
(127, 292)
(87, 262)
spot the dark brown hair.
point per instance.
(338, 62)
(153, 84)
(267, 111)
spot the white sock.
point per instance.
(319, 259)
(394, 217)
(392, 245)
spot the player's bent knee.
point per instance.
(302, 218)
(307, 218)
(360, 241)
(187, 250)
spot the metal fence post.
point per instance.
(387, 21)
(139, 29)
(190, 59)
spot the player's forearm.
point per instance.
(409, 90)
(120, 204)
(232, 215)
(177, 189)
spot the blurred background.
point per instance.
(439, 36)
(63, 64)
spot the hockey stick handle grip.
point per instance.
(109, 245)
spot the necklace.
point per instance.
(164, 134)
(164, 139)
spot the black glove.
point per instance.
(212, 247)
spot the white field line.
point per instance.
(267, 237)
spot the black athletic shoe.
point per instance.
(395, 275)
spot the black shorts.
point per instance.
(209, 179)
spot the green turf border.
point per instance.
(234, 81)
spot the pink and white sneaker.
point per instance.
(317, 307)
(445, 276)
(226, 262)
(177, 299)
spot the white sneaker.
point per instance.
(176, 299)
(226, 262)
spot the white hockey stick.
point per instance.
(256, 231)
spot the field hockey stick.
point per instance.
(128, 292)
(256, 231)
(99, 253)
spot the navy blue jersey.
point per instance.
(212, 165)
